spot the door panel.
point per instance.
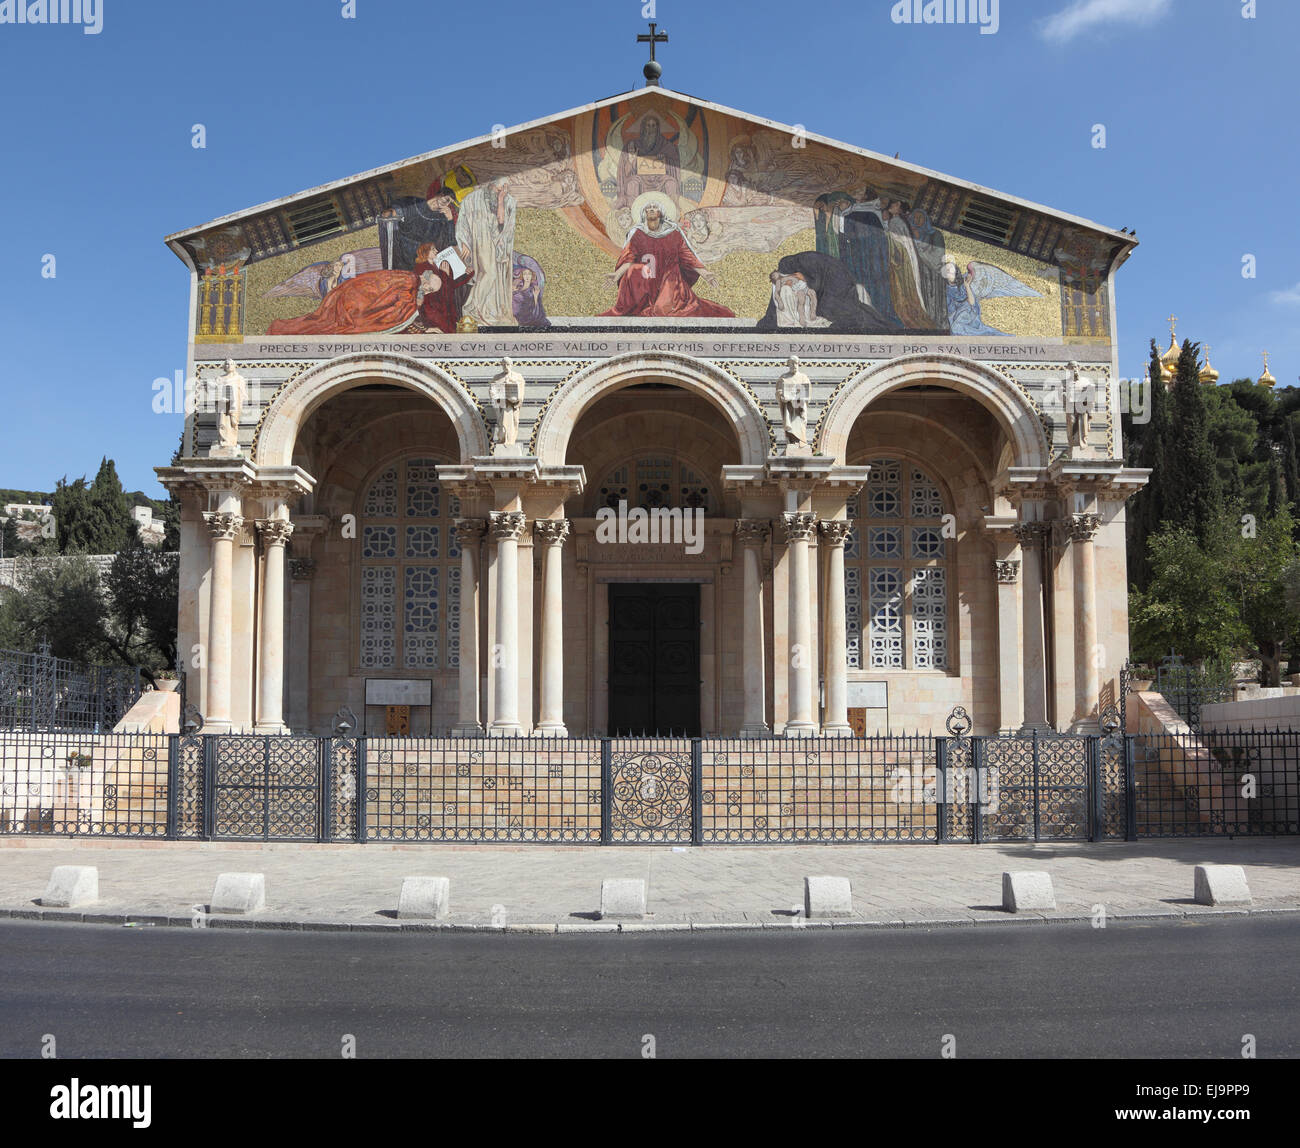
(654, 659)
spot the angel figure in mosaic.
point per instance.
(965, 293)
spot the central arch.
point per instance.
(1015, 413)
(730, 397)
(294, 403)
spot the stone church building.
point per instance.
(652, 416)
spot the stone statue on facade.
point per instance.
(506, 394)
(1078, 412)
(793, 390)
(227, 395)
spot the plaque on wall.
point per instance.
(399, 692)
(869, 695)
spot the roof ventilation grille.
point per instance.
(987, 219)
(313, 219)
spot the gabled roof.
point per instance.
(1121, 242)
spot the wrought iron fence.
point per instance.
(920, 788)
(1187, 687)
(42, 692)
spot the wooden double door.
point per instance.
(654, 659)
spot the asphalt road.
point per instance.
(1130, 990)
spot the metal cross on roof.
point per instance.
(653, 70)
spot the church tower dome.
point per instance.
(1266, 380)
(1209, 376)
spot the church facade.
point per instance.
(652, 416)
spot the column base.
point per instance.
(844, 730)
(218, 726)
(799, 729)
(474, 730)
(271, 728)
(755, 731)
(550, 729)
(1032, 727)
(514, 729)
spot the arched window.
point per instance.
(410, 571)
(655, 480)
(897, 572)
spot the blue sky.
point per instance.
(1199, 107)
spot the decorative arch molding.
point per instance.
(296, 400)
(734, 401)
(999, 395)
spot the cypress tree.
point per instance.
(1147, 509)
(1192, 480)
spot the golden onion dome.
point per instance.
(1209, 376)
(1266, 380)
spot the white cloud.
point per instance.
(1290, 295)
(1086, 15)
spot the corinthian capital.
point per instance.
(274, 531)
(1006, 570)
(1083, 527)
(752, 531)
(835, 530)
(799, 527)
(552, 530)
(223, 527)
(507, 526)
(469, 531)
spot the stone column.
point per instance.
(1087, 679)
(1011, 709)
(270, 654)
(301, 571)
(224, 527)
(507, 528)
(835, 721)
(552, 532)
(799, 528)
(469, 536)
(1033, 635)
(752, 534)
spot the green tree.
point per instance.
(62, 602)
(1258, 564)
(1188, 605)
(92, 519)
(1147, 443)
(142, 586)
(1191, 468)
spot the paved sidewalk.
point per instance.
(550, 888)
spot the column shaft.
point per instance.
(835, 721)
(752, 533)
(270, 662)
(224, 527)
(1087, 681)
(506, 529)
(552, 533)
(469, 535)
(1033, 636)
(799, 529)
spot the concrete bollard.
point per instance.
(827, 897)
(622, 899)
(1028, 890)
(239, 893)
(1221, 885)
(425, 898)
(71, 885)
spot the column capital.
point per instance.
(798, 526)
(1030, 533)
(507, 525)
(835, 530)
(752, 531)
(223, 527)
(302, 569)
(274, 531)
(469, 531)
(552, 531)
(1083, 527)
(1006, 570)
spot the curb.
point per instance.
(127, 920)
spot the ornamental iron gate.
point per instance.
(615, 791)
